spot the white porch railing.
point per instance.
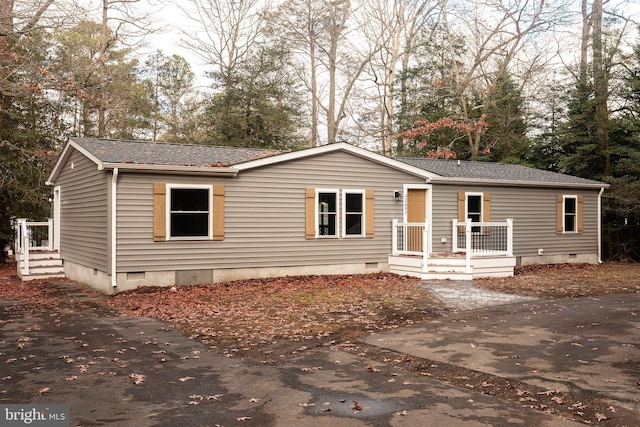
(482, 238)
(32, 236)
(412, 238)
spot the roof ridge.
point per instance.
(179, 144)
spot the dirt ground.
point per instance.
(270, 320)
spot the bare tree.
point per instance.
(500, 39)
(225, 33)
(121, 22)
(18, 19)
(300, 24)
(343, 57)
(392, 28)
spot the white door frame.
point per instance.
(428, 199)
(56, 218)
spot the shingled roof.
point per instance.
(161, 153)
(216, 158)
(493, 171)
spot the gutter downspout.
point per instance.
(600, 225)
(114, 234)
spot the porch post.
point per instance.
(50, 234)
(394, 237)
(425, 246)
(467, 233)
(454, 235)
(17, 245)
(510, 236)
(26, 237)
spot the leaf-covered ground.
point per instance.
(268, 319)
(261, 317)
(247, 315)
(568, 280)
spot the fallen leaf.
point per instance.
(183, 379)
(356, 406)
(43, 390)
(137, 378)
(601, 417)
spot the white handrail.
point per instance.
(25, 242)
(486, 238)
(410, 238)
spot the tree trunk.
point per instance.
(314, 86)
(102, 71)
(600, 89)
(332, 130)
(584, 42)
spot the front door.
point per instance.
(416, 213)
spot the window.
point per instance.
(339, 213)
(353, 202)
(189, 211)
(474, 210)
(570, 214)
(327, 213)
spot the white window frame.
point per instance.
(336, 192)
(207, 187)
(363, 214)
(564, 214)
(466, 209)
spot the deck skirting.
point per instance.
(452, 266)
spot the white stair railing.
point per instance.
(411, 238)
(30, 236)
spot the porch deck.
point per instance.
(478, 250)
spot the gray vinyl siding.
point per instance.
(264, 217)
(534, 218)
(83, 216)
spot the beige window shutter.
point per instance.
(579, 213)
(559, 214)
(310, 213)
(486, 212)
(486, 207)
(462, 215)
(159, 212)
(370, 217)
(218, 212)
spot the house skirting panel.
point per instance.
(100, 281)
(95, 278)
(558, 259)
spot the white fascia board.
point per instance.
(339, 146)
(173, 169)
(505, 183)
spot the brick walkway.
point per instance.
(465, 296)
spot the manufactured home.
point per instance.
(133, 213)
